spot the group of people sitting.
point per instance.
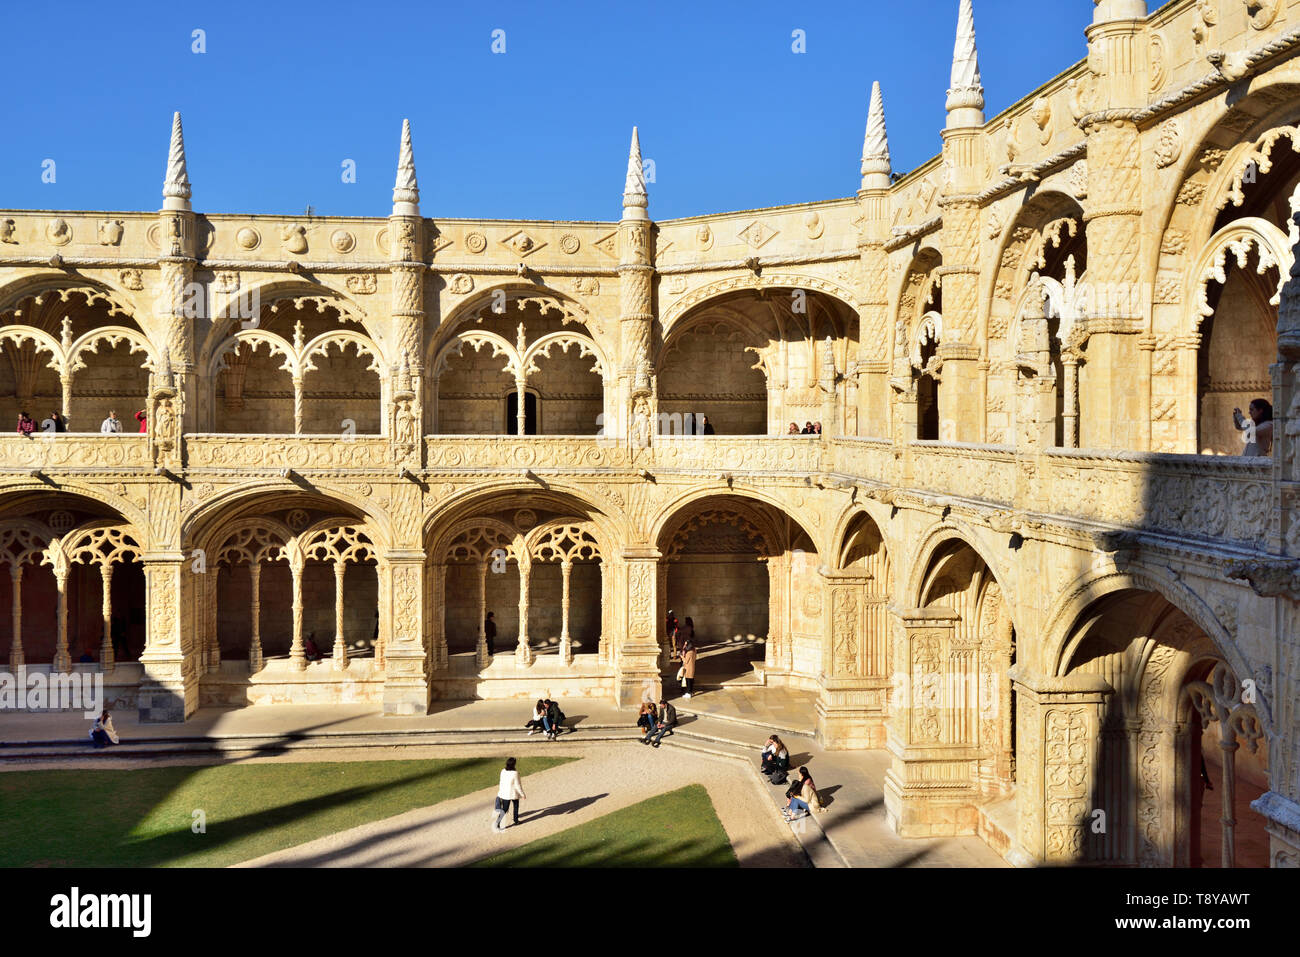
(809, 428)
(656, 721)
(547, 718)
(802, 795)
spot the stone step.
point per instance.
(760, 724)
(996, 825)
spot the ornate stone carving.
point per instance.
(363, 284)
(248, 238)
(110, 232)
(1169, 144)
(58, 231)
(343, 241)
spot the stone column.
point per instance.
(636, 668)
(524, 651)
(406, 685)
(407, 269)
(929, 787)
(521, 396)
(1115, 90)
(852, 698)
(1070, 417)
(566, 645)
(297, 404)
(1058, 731)
(635, 279)
(106, 604)
(169, 690)
(340, 661)
(481, 653)
(437, 614)
(16, 657)
(62, 659)
(255, 609)
(297, 656)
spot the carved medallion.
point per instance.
(461, 284)
(343, 241)
(110, 232)
(569, 243)
(58, 231)
(476, 242)
(248, 238)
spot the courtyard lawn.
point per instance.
(677, 829)
(142, 817)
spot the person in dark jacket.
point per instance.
(60, 423)
(667, 719)
(554, 719)
(490, 633)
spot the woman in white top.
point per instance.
(508, 791)
(103, 732)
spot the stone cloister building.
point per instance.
(1026, 555)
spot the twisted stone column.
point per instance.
(16, 657)
(106, 585)
(255, 609)
(340, 659)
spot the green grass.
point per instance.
(677, 829)
(142, 817)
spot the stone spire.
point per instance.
(634, 194)
(875, 146)
(176, 185)
(406, 192)
(966, 94)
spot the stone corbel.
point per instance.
(1004, 521)
(1268, 577)
(1119, 547)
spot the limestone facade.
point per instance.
(1026, 554)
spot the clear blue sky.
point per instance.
(285, 92)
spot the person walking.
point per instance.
(509, 792)
(111, 424)
(667, 719)
(26, 425)
(490, 633)
(688, 665)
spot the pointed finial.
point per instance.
(406, 192)
(966, 94)
(875, 146)
(634, 194)
(176, 185)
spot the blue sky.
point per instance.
(285, 92)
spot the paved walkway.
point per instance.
(717, 725)
(609, 777)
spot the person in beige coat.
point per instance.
(688, 667)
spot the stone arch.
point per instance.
(198, 524)
(745, 567)
(936, 537)
(1094, 585)
(473, 393)
(1127, 637)
(752, 353)
(720, 288)
(483, 554)
(229, 308)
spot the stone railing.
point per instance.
(75, 451)
(985, 472)
(696, 453)
(205, 451)
(870, 459)
(1197, 496)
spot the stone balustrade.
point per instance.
(1197, 497)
